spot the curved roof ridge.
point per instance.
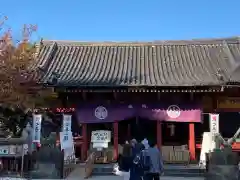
(207, 41)
(116, 64)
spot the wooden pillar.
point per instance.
(191, 143)
(84, 148)
(159, 134)
(58, 139)
(115, 140)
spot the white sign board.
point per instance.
(101, 136)
(214, 123)
(37, 120)
(100, 145)
(100, 139)
(66, 140)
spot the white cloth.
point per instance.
(125, 175)
(145, 143)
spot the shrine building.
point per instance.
(161, 90)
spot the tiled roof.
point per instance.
(158, 63)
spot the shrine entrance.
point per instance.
(175, 133)
(137, 128)
(100, 126)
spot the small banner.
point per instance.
(66, 140)
(214, 123)
(37, 120)
(67, 123)
(66, 127)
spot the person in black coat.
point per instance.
(136, 171)
(125, 161)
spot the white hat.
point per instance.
(145, 143)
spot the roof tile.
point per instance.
(158, 63)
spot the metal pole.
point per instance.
(22, 160)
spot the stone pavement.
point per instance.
(120, 178)
(76, 174)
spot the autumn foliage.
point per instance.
(18, 78)
(20, 91)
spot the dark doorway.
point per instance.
(229, 124)
(175, 133)
(138, 128)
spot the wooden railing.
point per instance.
(89, 165)
(175, 154)
(11, 165)
(69, 165)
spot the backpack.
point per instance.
(145, 160)
(137, 159)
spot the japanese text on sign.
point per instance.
(66, 140)
(66, 129)
(67, 123)
(101, 136)
(37, 120)
(214, 123)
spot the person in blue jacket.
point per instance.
(156, 163)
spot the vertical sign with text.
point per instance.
(67, 131)
(214, 123)
(37, 120)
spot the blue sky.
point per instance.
(125, 20)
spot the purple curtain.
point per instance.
(97, 113)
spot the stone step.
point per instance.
(182, 170)
(103, 169)
(165, 174)
(169, 170)
(183, 174)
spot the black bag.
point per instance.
(137, 159)
(145, 161)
